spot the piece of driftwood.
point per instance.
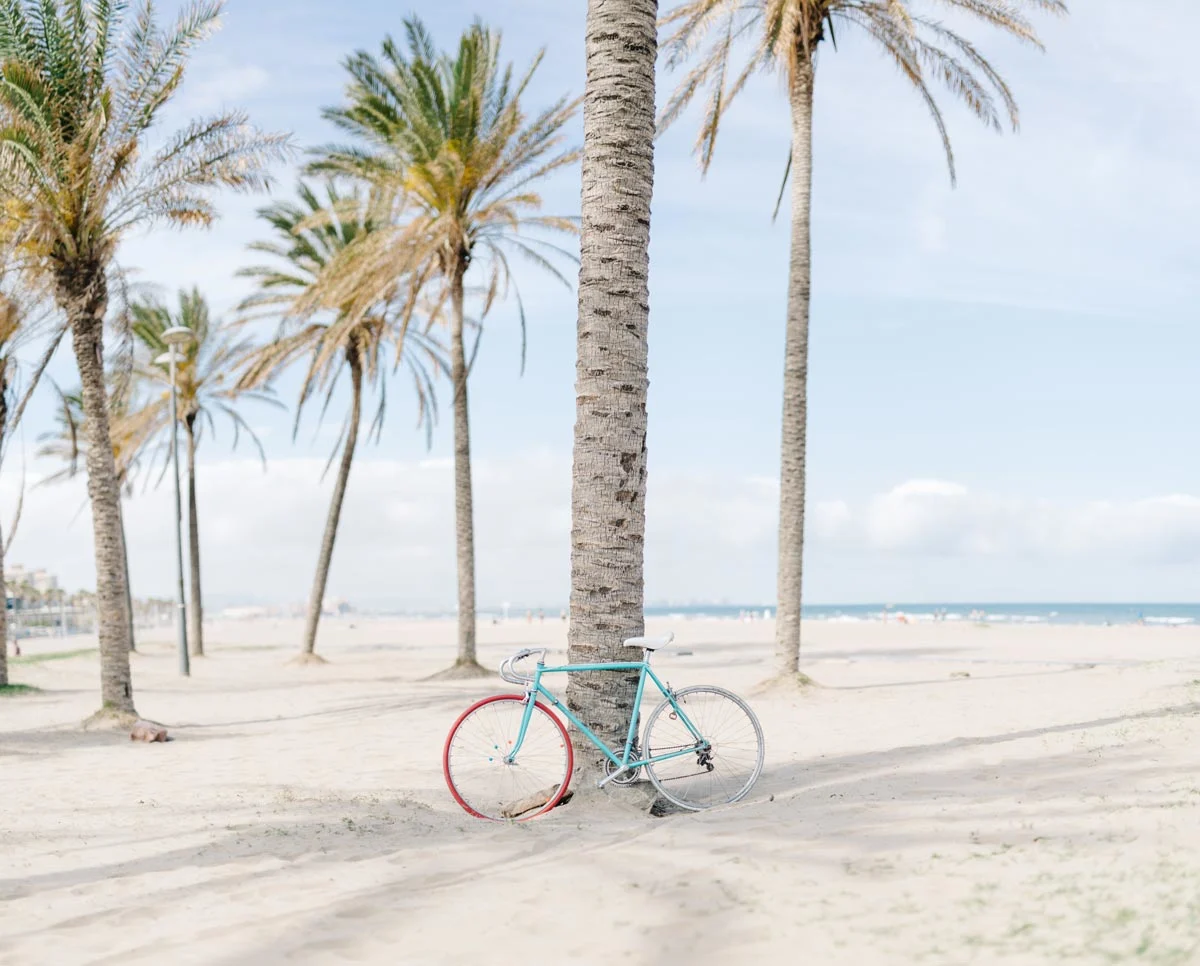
(528, 803)
(147, 731)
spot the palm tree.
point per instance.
(608, 491)
(206, 383)
(309, 237)
(450, 157)
(67, 442)
(81, 91)
(783, 36)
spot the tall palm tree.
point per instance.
(82, 88)
(608, 476)
(309, 237)
(450, 156)
(206, 384)
(67, 442)
(784, 37)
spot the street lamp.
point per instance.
(176, 337)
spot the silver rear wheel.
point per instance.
(720, 769)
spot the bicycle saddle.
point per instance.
(651, 643)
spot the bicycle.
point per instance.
(509, 757)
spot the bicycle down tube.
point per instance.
(623, 763)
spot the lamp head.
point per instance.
(178, 335)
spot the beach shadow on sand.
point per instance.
(886, 767)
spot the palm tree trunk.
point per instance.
(795, 380)
(196, 615)
(465, 664)
(608, 491)
(83, 296)
(335, 511)
(128, 582)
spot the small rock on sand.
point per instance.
(147, 731)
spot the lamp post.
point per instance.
(176, 337)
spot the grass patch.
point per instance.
(52, 656)
(11, 690)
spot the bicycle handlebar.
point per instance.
(512, 675)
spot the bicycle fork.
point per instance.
(530, 699)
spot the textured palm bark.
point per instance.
(128, 581)
(465, 664)
(608, 492)
(795, 380)
(83, 296)
(317, 598)
(196, 612)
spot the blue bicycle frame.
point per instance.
(624, 763)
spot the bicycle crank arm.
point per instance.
(616, 774)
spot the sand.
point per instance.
(1045, 808)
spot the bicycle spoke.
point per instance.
(481, 778)
(722, 770)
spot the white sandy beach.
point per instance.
(1044, 809)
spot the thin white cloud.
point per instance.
(709, 536)
(924, 518)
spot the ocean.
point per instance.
(1161, 615)
(1169, 615)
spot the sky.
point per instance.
(1002, 373)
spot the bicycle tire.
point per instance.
(476, 774)
(736, 741)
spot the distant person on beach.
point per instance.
(541, 616)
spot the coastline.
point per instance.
(1057, 613)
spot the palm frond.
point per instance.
(783, 36)
(203, 377)
(443, 144)
(312, 239)
(81, 87)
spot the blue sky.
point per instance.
(1002, 391)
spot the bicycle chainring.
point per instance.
(630, 776)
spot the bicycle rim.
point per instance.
(478, 776)
(725, 721)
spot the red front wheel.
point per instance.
(478, 773)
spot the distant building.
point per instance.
(40, 580)
(44, 581)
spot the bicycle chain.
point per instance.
(675, 778)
